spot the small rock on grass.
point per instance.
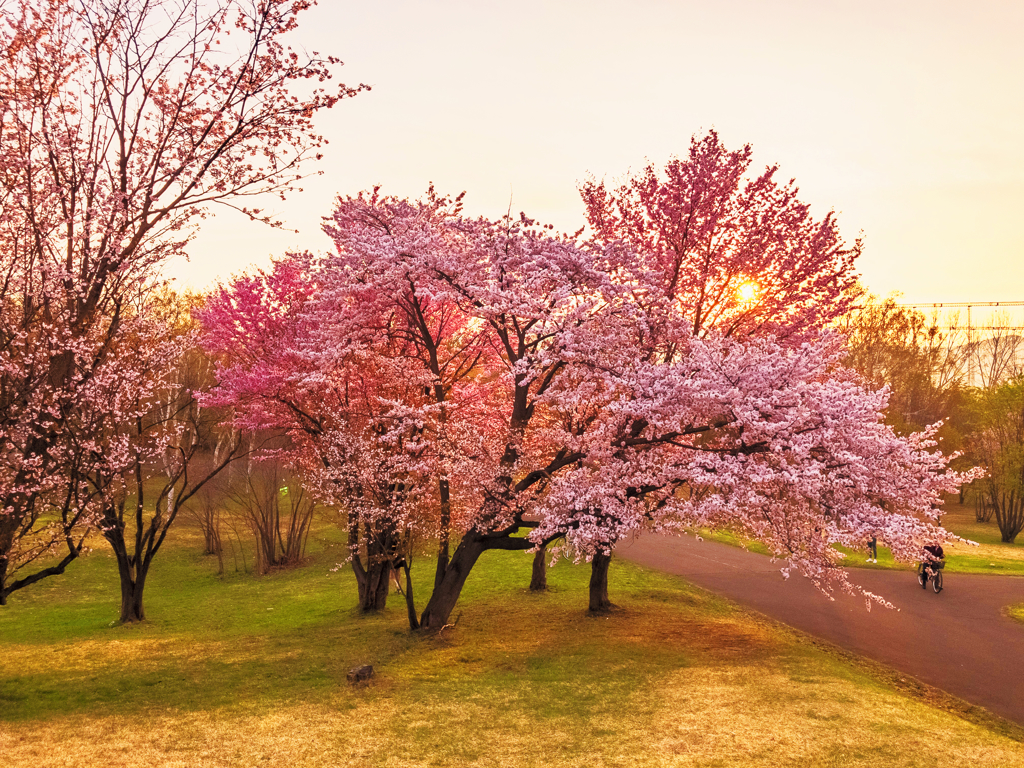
(360, 674)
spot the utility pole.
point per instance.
(970, 349)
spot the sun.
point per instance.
(747, 292)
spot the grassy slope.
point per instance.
(989, 556)
(246, 671)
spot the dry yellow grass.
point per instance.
(727, 715)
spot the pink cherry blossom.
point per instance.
(446, 374)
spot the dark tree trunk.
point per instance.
(599, 602)
(378, 588)
(373, 577)
(446, 594)
(982, 509)
(446, 521)
(1009, 511)
(132, 610)
(410, 603)
(212, 542)
(539, 578)
(133, 582)
(373, 583)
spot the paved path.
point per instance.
(957, 640)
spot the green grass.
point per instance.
(734, 540)
(990, 555)
(239, 670)
(1016, 612)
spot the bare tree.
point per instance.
(278, 512)
(924, 365)
(205, 513)
(999, 357)
(982, 508)
(997, 440)
(170, 444)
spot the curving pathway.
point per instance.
(958, 640)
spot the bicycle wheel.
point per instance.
(922, 578)
(937, 582)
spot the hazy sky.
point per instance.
(904, 117)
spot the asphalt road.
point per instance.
(958, 640)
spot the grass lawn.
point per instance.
(989, 556)
(245, 671)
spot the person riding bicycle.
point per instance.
(934, 559)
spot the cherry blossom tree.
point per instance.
(719, 252)
(778, 442)
(728, 252)
(569, 409)
(158, 446)
(494, 298)
(43, 427)
(354, 419)
(121, 122)
(376, 241)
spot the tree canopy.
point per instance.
(496, 377)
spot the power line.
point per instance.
(970, 329)
(969, 305)
(944, 304)
(983, 327)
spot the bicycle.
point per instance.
(932, 570)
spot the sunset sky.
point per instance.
(907, 118)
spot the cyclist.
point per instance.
(934, 561)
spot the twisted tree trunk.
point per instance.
(446, 594)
